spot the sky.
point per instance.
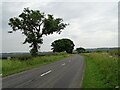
(92, 24)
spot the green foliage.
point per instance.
(0, 66)
(14, 66)
(99, 51)
(62, 53)
(80, 50)
(101, 71)
(34, 24)
(22, 57)
(62, 45)
(115, 52)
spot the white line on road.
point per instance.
(46, 73)
(63, 64)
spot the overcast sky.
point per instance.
(92, 24)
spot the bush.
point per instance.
(115, 52)
(62, 53)
(22, 57)
(99, 51)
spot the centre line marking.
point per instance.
(46, 73)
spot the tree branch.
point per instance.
(40, 25)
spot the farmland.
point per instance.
(101, 70)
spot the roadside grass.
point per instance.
(14, 66)
(0, 66)
(101, 71)
(114, 52)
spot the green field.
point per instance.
(14, 66)
(101, 71)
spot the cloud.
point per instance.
(61, 1)
(92, 24)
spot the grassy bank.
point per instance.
(14, 66)
(0, 66)
(101, 71)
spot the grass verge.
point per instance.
(101, 71)
(0, 67)
(14, 66)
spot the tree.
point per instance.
(80, 50)
(62, 45)
(34, 24)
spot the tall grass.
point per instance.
(0, 66)
(13, 66)
(115, 52)
(101, 71)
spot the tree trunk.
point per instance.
(34, 50)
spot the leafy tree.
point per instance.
(62, 45)
(80, 50)
(34, 24)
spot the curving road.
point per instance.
(0, 82)
(66, 73)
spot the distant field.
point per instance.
(101, 71)
(14, 66)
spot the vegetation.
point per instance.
(21, 57)
(115, 52)
(14, 66)
(0, 66)
(34, 24)
(80, 50)
(101, 71)
(62, 45)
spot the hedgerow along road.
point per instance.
(66, 73)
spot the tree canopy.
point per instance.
(62, 45)
(80, 50)
(34, 24)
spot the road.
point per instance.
(66, 73)
(0, 82)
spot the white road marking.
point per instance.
(63, 64)
(46, 73)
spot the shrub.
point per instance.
(22, 57)
(115, 52)
(62, 53)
